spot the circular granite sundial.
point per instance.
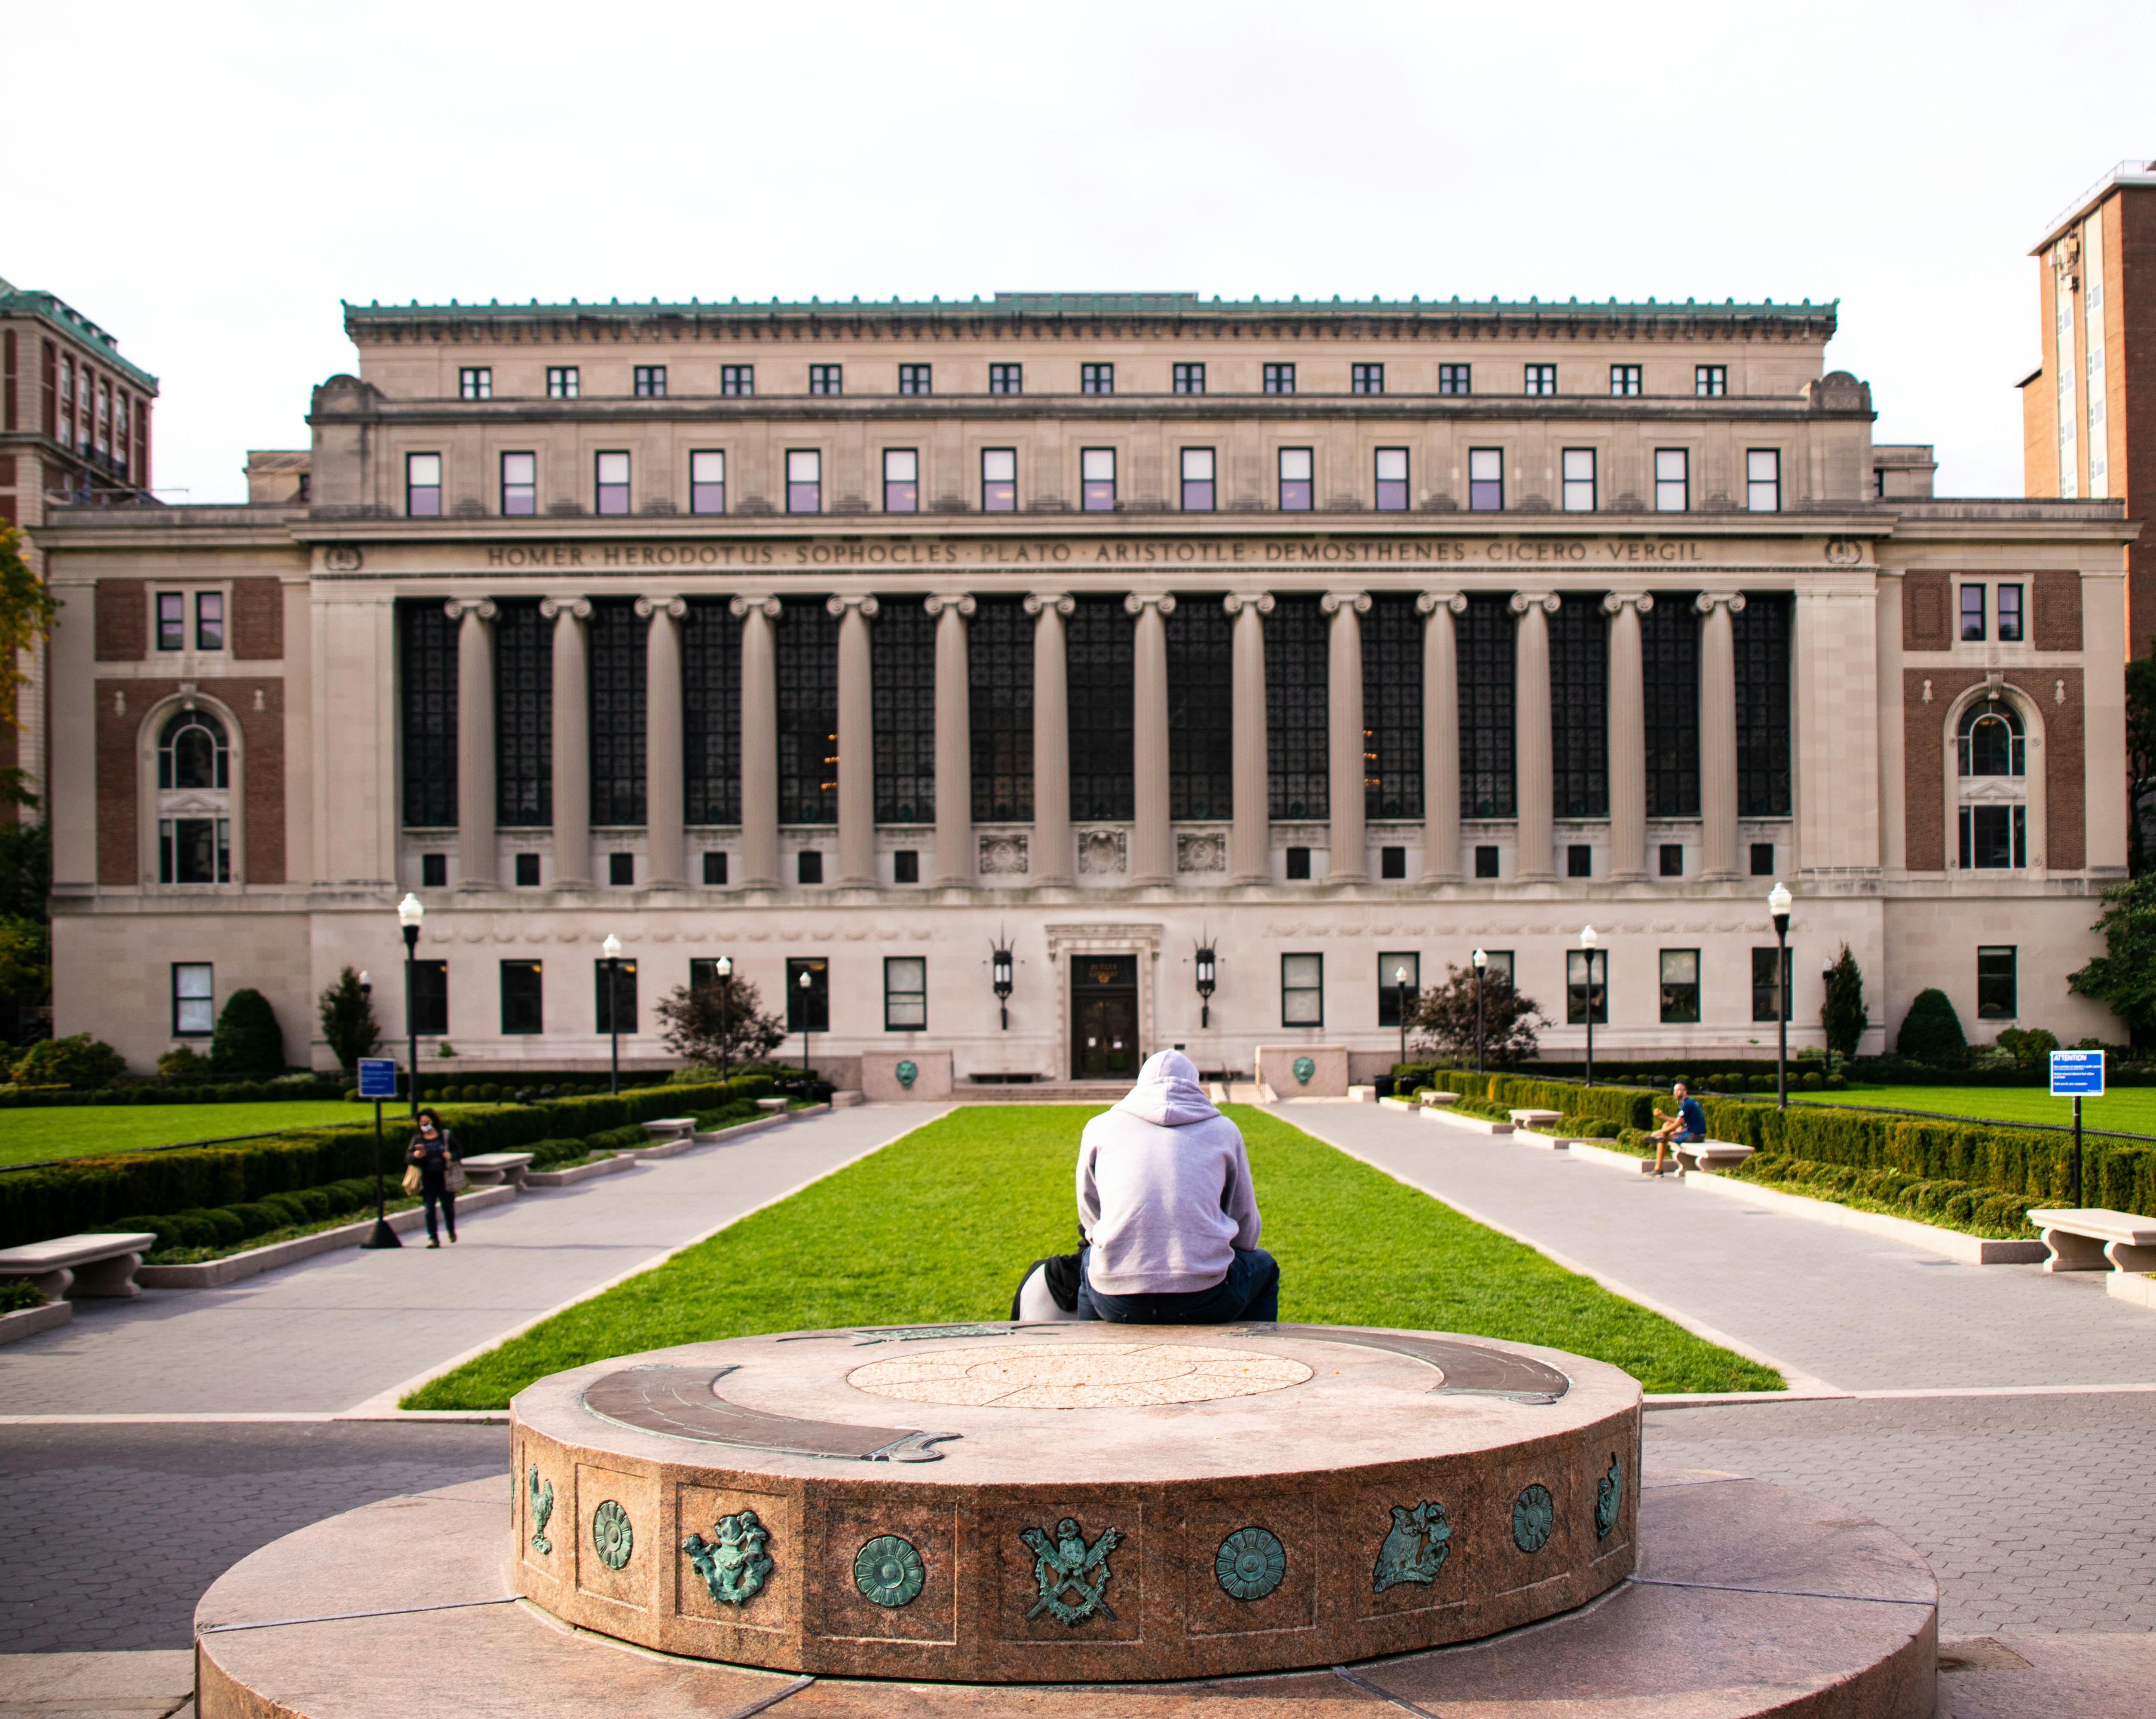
(1052, 1503)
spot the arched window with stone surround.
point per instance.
(1991, 754)
(194, 799)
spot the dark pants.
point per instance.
(434, 1190)
(1249, 1291)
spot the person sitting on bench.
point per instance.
(1686, 1128)
(1166, 1207)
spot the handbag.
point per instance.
(411, 1178)
(453, 1175)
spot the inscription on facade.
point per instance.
(1090, 555)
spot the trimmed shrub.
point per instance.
(1931, 1032)
(81, 1062)
(17, 1294)
(247, 1039)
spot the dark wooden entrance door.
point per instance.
(1103, 1017)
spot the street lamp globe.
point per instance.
(611, 947)
(1587, 937)
(410, 911)
(1480, 958)
(724, 966)
(1777, 900)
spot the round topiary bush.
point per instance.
(489, 1090)
(1812, 1081)
(1931, 1032)
(248, 1041)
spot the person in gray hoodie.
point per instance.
(1167, 1207)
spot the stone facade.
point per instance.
(1420, 627)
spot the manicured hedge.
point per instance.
(92, 1193)
(2035, 1164)
(1628, 1107)
(190, 1092)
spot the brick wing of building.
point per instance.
(850, 641)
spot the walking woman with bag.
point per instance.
(435, 1174)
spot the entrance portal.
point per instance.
(1103, 1017)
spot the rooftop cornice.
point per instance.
(1051, 315)
(51, 310)
(764, 408)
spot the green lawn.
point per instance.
(73, 1131)
(937, 1227)
(2128, 1110)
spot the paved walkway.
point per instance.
(1855, 1312)
(350, 1327)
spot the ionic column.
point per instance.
(573, 742)
(475, 807)
(1152, 846)
(1350, 860)
(1049, 860)
(856, 742)
(1249, 836)
(759, 741)
(664, 781)
(1440, 736)
(1718, 733)
(1534, 789)
(1628, 736)
(954, 743)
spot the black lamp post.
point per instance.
(1207, 980)
(724, 967)
(1587, 941)
(611, 947)
(1777, 903)
(999, 976)
(410, 914)
(807, 1079)
(1400, 984)
(382, 1235)
(1482, 958)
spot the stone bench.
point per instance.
(665, 1129)
(1542, 1121)
(71, 1267)
(772, 1105)
(1707, 1155)
(2090, 1239)
(488, 1169)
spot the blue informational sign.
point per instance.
(2077, 1074)
(377, 1077)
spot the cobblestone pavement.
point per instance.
(1858, 1311)
(117, 1530)
(2037, 1513)
(331, 1332)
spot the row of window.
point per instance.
(1972, 616)
(1196, 472)
(86, 411)
(563, 381)
(905, 990)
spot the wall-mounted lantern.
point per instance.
(1206, 981)
(1000, 976)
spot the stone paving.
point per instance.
(334, 1332)
(2036, 1513)
(1858, 1312)
(133, 1522)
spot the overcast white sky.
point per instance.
(208, 180)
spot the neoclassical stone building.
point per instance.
(857, 642)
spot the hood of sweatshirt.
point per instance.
(1168, 1092)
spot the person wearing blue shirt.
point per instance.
(1686, 1127)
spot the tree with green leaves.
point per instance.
(1442, 1020)
(720, 1023)
(1843, 1014)
(26, 617)
(2124, 975)
(247, 1041)
(348, 1022)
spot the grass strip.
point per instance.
(2126, 1109)
(938, 1226)
(31, 1135)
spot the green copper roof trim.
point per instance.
(51, 308)
(1107, 304)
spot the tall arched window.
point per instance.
(1992, 753)
(194, 801)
